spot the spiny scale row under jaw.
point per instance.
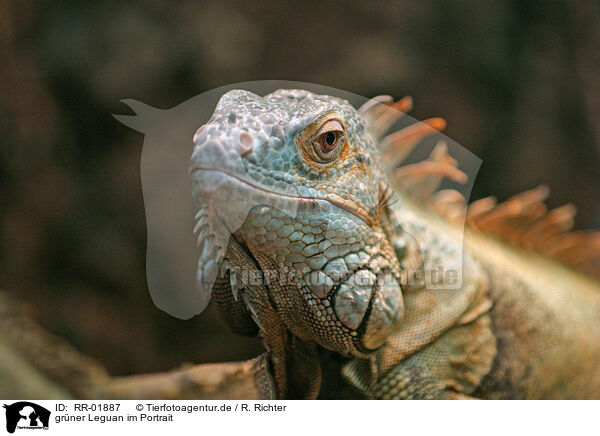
(201, 227)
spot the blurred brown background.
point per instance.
(518, 82)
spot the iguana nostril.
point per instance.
(245, 144)
(200, 135)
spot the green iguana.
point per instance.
(304, 183)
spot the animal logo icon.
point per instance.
(26, 415)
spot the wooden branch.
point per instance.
(35, 364)
(233, 380)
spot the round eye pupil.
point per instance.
(330, 138)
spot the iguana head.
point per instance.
(295, 177)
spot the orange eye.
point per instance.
(329, 141)
(323, 140)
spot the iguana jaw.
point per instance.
(363, 297)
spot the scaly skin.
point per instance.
(291, 188)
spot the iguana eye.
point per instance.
(328, 141)
(323, 141)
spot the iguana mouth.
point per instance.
(336, 201)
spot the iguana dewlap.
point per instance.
(302, 245)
